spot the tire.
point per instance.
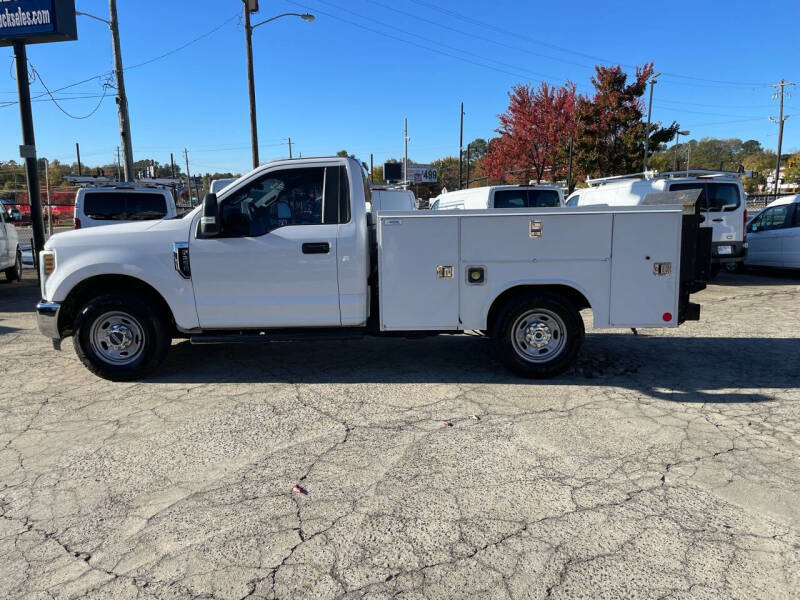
(15, 273)
(539, 335)
(715, 268)
(120, 336)
(734, 267)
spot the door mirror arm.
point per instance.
(209, 220)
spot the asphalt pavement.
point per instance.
(666, 466)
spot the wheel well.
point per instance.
(103, 284)
(573, 295)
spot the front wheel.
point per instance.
(14, 273)
(119, 336)
(539, 335)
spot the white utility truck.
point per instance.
(722, 203)
(533, 195)
(289, 252)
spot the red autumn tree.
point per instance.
(612, 126)
(534, 133)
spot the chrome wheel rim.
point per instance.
(117, 338)
(538, 335)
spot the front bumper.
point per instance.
(738, 250)
(47, 318)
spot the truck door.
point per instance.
(275, 261)
(765, 236)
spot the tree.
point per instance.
(534, 133)
(791, 173)
(611, 130)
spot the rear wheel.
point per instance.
(14, 273)
(538, 335)
(119, 336)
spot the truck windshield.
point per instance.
(124, 206)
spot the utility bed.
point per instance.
(442, 270)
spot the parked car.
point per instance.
(286, 253)
(500, 196)
(122, 203)
(722, 202)
(10, 254)
(12, 212)
(386, 199)
(773, 235)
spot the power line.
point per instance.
(38, 76)
(483, 24)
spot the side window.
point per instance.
(510, 199)
(722, 196)
(796, 219)
(772, 218)
(701, 201)
(543, 198)
(277, 199)
(336, 207)
(573, 201)
(435, 205)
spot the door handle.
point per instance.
(316, 248)
(717, 220)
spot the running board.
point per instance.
(267, 336)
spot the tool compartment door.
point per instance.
(641, 296)
(413, 295)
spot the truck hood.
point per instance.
(115, 235)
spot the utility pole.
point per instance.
(405, 153)
(122, 98)
(781, 119)
(172, 164)
(251, 83)
(119, 166)
(460, 144)
(569, 169)
(28, 148)
(290, 147)
(678, 134)
(188, 176)
(653, 81)
(78, 151)
(371, 170)
(468, 146)
(49, 206)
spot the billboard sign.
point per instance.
(422, 174)
(37, 21)
(416, 173)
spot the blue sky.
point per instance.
(348, 79)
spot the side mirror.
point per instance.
(209, 221)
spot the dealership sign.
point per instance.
(422, 174)
(37, 21)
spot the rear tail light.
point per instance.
(77, 223)
(744, 225)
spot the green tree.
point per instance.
(792, 171)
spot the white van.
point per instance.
(500, 196)
(722, 198)
(387, 199)
(122, 203)
(10, 254)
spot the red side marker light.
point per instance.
(667, 317)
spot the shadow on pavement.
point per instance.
(761, 276)
(670, 368)
(20, 296)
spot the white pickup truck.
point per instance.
(288, 252)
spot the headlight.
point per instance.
(47, 265)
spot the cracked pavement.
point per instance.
(666, 466)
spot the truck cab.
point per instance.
(287, 253)
(500, 196)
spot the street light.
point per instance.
(653, 81)
(678, 135)
(248, 36)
